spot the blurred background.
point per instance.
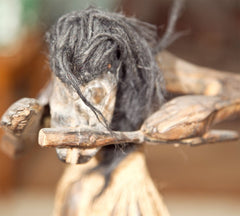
(195, 181)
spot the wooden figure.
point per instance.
(88, 126)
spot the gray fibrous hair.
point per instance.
(84, 43)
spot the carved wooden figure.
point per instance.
(87, 126)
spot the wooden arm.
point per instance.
(182, 77)
(21, 124)
(178, 121)
(183, 120)
(22, 121)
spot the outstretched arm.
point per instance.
(184, 120)
(22, 121)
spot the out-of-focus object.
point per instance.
(16, 18)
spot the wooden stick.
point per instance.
(65, 138)
(85, 137)
(183, 120)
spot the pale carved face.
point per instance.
(69, 111)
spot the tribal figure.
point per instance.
(106, 98)
(105, 77)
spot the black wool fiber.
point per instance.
(82, 45)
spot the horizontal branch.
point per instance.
(87, 138)
(183, 120)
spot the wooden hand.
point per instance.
(21, 125)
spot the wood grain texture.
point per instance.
(21, 124)
(131, 191)
(86, 137)
(177, 121)
(182, 77)
(189, 116)
(183, 120)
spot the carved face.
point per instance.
(69, 111)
